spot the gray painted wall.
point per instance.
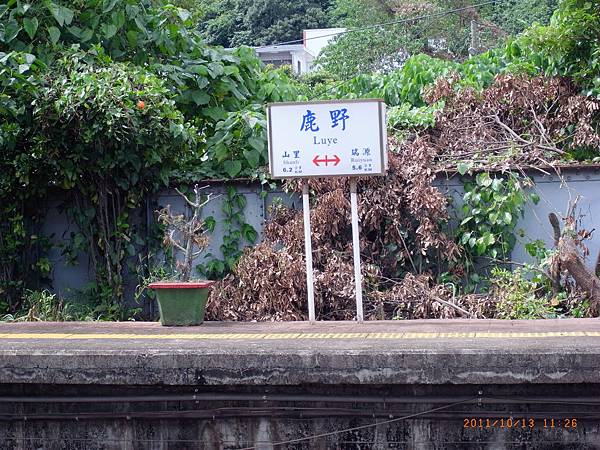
(67, 279)
(555, 194)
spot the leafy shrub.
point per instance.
(238, 145)
(104, 100)
(569, 45)
(43, 306)
(404, 117)
(491, 209)
(518, 297)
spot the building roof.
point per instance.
(279, 48)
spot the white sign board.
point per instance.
(327, 138)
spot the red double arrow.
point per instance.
(335, 160)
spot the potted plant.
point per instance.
(183, 302)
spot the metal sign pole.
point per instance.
(308, 252)
(356, 250)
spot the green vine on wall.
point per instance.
(236, 233)
(491, 209)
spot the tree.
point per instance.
(220, 21)
(570, 44)
(248, 22)
(437, 34)
(107, 101)
(514, 16)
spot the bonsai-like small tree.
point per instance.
(188, 235)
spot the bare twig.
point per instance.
(458, 308)
(191, 204)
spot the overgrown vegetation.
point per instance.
(515, 107)
(260, 22)
(104, 103)
(43, 305)
(437, 34)
(401, 233)
(492, 206)
(519, 297)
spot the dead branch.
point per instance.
(461, 311)
(569, 259)
(572, 262)
(191, 204)
(555, 265)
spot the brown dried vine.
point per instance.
(401, 218)
(517, 122)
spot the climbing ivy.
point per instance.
(492, 206)
(236, 233)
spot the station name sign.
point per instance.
(327, 138)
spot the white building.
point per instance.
(299, 56)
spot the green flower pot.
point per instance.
(181, 304)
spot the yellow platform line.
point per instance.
(302, 335)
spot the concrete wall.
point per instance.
(82, 387)
(240, 424)
(68, 279)
(555, 194)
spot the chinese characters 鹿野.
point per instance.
(309, 120)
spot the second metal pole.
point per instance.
(308, 252)
(356, 249)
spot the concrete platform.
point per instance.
(295, 353)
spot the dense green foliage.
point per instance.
(86, 123)
(260, 22)
(568, 46)
(106, 101)
(448, 36)
(514, 16)
(491, 209)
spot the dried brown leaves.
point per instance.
(268, 284)
(401, 217)
(517, 121)
(418, 297)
